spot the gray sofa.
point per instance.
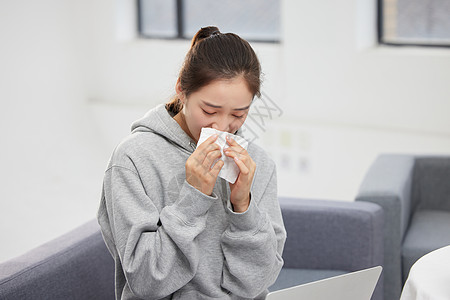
(414, 192)
(329, 238)
(74, 266)
(325, 238)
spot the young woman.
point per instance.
(174, 228)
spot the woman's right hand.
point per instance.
(198, 166)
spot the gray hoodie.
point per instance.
(171, 241)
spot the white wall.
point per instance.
(73, 78)
(334, 75)
(351, 99)
(51, 158)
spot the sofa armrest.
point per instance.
(76, 265)
(388, 183)
(332, 235)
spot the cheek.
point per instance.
(197, 120)
(238, 123)
(201, 120)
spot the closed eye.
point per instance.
(210, 114)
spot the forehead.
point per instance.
(233, 93)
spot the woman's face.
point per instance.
(222, 105)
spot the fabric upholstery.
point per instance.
(326, 236)
(76, 265)
(432, 178)
(403, 185)
(388, 183)
(429, 230)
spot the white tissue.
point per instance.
(230, 170)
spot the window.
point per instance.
(254, 20)
(414, 22)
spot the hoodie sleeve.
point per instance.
(253, 244)
(158, 250)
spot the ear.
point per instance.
(179, 91)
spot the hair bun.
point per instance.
(204, 33)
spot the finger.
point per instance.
(240, 161)
(216, 169)
(207, 146)
(211, 157)
(208, 141)
(239, 150)
(242, 167)
(231, 141)
(233, 153)
(235, 145)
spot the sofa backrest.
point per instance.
(432, 183)
(333, 235)
(76, 265)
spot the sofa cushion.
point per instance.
(292, 277)
(429, 230)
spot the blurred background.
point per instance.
(343, 82)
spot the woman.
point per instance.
(174, 228)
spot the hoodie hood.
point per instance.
(160, 121)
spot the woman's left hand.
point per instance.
(240, 190)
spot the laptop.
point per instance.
(357, 285)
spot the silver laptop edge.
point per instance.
(358, 285)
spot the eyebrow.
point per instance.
(217, 106)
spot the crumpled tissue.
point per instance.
(230, 170)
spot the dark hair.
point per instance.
(213, 56)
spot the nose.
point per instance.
(221, 125)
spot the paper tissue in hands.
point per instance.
(230, 170)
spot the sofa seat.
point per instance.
(429, 230)
(289, 277)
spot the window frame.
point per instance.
(180, 28)
(380, 33)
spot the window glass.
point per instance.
(158, 18)
(253, 20)
(416, 22)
